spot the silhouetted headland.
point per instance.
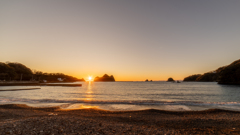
(192, 77)
(229, 74)
(105, 78)
(18, 72)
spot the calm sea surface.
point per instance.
(129, 96)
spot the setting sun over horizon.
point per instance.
(90, 78)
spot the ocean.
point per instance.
(126, 96)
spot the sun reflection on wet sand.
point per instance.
(80, 106)
(87, 106)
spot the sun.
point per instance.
(89, 78)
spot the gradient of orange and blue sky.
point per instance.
(133, 40)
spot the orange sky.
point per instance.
(132, 40)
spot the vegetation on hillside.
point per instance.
(208, 77)
(191, 77)
(230, 74)
(19, 72)
(14, 71)
(55, 77)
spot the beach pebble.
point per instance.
(90, 122)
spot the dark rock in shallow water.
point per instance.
(105, 78)
(230, 74)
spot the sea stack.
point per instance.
(170, 80)
(105, 78)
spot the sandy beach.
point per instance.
(22, 119)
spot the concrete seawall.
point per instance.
(37, 84)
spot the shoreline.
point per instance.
(22, 119)
(118, 107)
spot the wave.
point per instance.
(128, 102)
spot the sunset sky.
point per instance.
(133, 40)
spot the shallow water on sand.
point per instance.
(129, 96)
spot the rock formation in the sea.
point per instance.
(191, 77)
(230, 74)
(146, 80)
(105, 78)
(170, 79)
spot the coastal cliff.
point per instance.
(13, 71)
(105, 78)
(208, 77)
(191, 77)
(229, 74)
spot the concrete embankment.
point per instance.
(67, 85)
(20, 89)
(40, 84)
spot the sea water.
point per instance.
(122, 96)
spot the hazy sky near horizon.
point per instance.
(133, 40)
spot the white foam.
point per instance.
(124, 102)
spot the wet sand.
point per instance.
(22, 119)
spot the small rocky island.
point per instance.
(170, 80)
(105, 78)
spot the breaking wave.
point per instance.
(127, 102)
